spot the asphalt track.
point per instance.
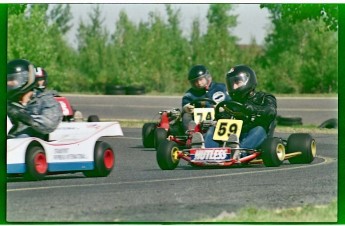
(138, 191)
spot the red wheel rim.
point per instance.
(108, 158)
(40, 162)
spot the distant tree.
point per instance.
(125, 54)
(300, 57)
(298, 12)
(61, 16)
(29, 36)
(15, 9)
(218, 42)
(93, 40)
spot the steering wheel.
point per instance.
(198, 102)
(230, 109)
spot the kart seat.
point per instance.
(271, 128)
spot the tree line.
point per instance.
(299, 55)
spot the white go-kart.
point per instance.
(72, 147)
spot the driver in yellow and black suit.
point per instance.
(202, 86)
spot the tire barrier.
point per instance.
(115, 90)
(329, 124)
(135, 90)
(289, 121)
(124, 90)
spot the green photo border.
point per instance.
(341, 120)
(3, 61)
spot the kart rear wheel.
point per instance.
(104, 160)
(36, 163)
(273, 152)
(166, 155)
(148, 134)
(304, 143)
(160, 135)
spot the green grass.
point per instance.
(307, 213)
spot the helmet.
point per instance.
(41, 75)
(197, 72)
(240, 80)
(20, 77)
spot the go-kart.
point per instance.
(299, 148)
(70, 114)
(170, 125)
(72, 147)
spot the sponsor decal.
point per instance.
(218, 96)
(63, 154)
(69, 156)
(211, 154)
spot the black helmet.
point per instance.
(41, 74)
(197, 72)
(20, 77)
(240, 80)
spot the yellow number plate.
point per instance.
(201, 114)
(225, 127)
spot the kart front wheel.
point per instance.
(167, 155)
(273, 152)
(148, 134)
(104, 160)
(36, 163)
(304, 143)
(160, 135)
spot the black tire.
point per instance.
(93, 118)
(36, 163)
(301, 142)
(289, 121)
(160, 135)
(166, 155)
(135, 90)
(104, 160)
(273, 152)
(330, 124)
(147, 133)
(115, 90)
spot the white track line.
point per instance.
(327, 161)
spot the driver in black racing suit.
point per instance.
(260, 107)
(202, 86)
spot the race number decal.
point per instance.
(201, 114)
(225, 127)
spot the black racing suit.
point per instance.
(263, 109)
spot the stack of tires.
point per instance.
(289, 121)
(115, 90)
(124, 90)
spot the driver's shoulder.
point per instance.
(218, 85)
(261, 94)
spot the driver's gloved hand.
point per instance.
(222, 115)
(188, 108)
(250, 109)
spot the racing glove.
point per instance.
(188, 108)
(252, 111)
(17, 112)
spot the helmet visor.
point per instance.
(21, 81)
(17, 80)
(238, 81)
(200, 82)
